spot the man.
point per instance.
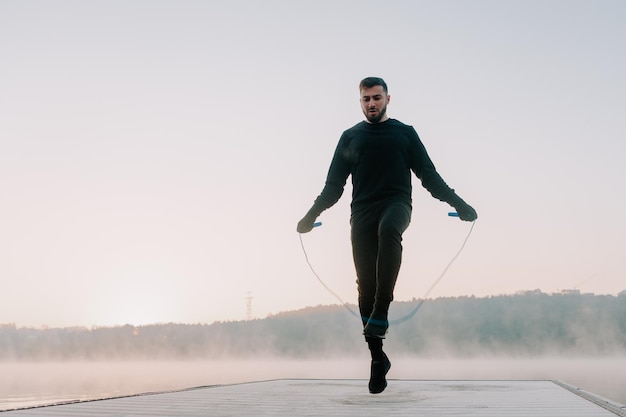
(379, 153)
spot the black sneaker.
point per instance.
(376, 326)
(378, 372)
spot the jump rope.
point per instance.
(421, 301)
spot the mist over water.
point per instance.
(37, 383)
(575, 338)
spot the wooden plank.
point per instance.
(347, 398)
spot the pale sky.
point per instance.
(155, 156)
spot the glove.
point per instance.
(466, 212)
(306, 224)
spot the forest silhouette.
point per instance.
(528, 324)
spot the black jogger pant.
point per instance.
(376, 236)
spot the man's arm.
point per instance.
(333, 188)
(425, 170)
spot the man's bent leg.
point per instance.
(394, 221)
(364, 236)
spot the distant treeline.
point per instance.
(528, 324)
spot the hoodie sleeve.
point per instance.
(340, 169)
(425, 170)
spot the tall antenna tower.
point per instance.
(249, 305)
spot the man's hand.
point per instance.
(306, 224)
(466, 212)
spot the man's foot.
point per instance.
(378, 372)
(376, 326)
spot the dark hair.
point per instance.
(370, 82)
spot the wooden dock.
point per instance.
(349, 398)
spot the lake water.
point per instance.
(30, 384)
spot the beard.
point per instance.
(376, 117)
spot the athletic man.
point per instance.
(379, 153)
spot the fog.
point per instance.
(25, 384)
(572, 337)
